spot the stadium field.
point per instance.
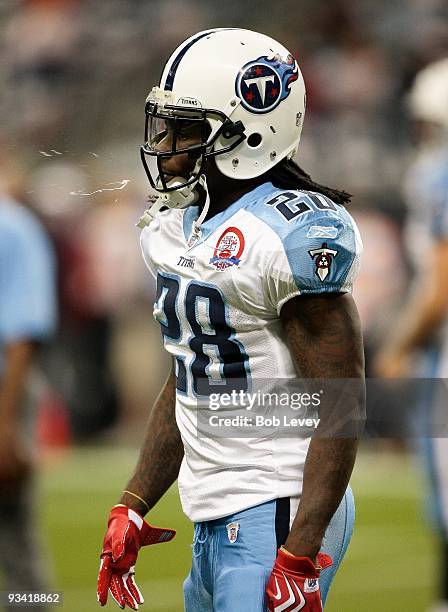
(390, 565)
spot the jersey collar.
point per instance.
(208, 227)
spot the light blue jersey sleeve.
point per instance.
(27, 277)
(439, 195)
(319, 247)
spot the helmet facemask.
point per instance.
(174, 124)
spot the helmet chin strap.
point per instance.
(180, 198)
(202, 185)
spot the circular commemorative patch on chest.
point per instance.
(229, 249)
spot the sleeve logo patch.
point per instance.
(322, 231)
(323, 259)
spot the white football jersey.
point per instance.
(219, 298)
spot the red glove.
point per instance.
(126, 532)
(294, 583)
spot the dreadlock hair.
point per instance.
(288, 175)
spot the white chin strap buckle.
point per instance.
(180, 198)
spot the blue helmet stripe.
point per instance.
(175, 65)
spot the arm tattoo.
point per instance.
(161, 454)
(324, 335)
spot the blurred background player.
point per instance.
(418, 346)
(27, 318)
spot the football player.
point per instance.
(419, 344)
(254, 265)
(28, 318)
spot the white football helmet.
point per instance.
(245, 90)
(428, 99)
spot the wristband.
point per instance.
(137, 497)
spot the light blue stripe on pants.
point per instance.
(231, 577)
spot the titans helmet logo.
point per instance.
(263, 83)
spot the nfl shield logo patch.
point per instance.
(232, 531)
